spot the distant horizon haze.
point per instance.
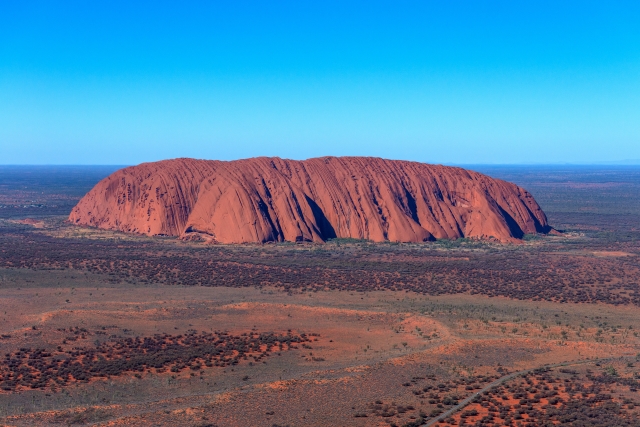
(624, 163)
(458, 83)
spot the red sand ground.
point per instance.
(371, 347)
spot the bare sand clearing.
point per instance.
(612, 254)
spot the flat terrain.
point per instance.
(102, 328)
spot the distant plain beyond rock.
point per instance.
(271, 199)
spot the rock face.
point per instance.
(272, 199)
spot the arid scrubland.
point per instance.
(103, 328)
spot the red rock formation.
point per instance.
(271, 199)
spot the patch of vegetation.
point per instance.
(347, 241)
(40, 369)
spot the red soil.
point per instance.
(272, 199)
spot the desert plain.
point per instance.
(105, 328)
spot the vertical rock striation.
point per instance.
(271, 199)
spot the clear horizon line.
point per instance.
(630, 162)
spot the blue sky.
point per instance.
(109, 82)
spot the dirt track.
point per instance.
(501, 380)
